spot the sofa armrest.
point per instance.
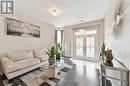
(6, 62)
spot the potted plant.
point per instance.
(51, 53)
(59, 50)
(102, 53)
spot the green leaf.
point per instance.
(102, 52)
(59, 48)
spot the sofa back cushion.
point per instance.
(38, 52)
(21, 55)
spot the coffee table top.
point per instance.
(51, 71)
(50, 74)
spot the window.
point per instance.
(59, 36)
(90, 32)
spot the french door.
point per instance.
(85, 46)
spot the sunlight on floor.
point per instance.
(86, 71)
(84, 63)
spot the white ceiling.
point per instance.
(72, 11)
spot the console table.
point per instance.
(114, 76)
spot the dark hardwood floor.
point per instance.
(83, 74)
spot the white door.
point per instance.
(85, 45)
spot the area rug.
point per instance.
(35, 78)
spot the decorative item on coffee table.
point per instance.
(52, 54)
(59, 50)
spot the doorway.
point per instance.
(85, 44)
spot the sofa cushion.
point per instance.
(38, 52)
(43, 58)
(21, 64)
(6, 62)
(20, 55)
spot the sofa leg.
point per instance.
(1, 78)
(11, 80)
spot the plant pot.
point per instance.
(58, 56)
(51, 61)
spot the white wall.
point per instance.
(12, 43)
(68, 34)
(120, 46)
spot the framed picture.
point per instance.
(20, 28)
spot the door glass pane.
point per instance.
(90, 46)
(79, 46)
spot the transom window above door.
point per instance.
(87, 32)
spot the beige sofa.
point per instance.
(20, 62)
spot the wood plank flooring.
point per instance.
(83, 74)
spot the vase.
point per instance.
(58, 57)
(51, 61)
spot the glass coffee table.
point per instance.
(52, 71)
